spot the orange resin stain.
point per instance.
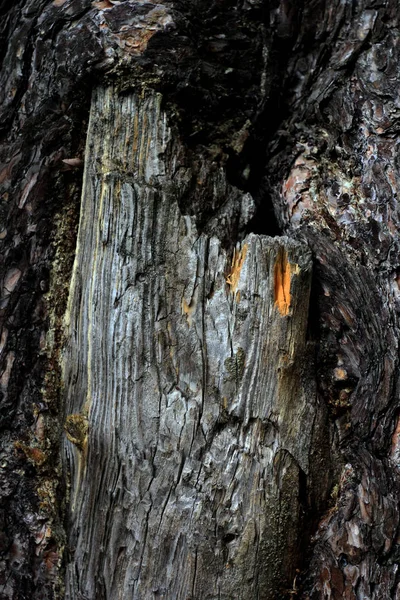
(238, 259)
(283, 271)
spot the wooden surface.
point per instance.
(190, 366)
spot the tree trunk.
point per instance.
(200, 290)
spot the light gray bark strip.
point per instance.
(189, 367)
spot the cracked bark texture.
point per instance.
(247, 120)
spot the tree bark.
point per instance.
(199, 383)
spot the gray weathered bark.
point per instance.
(176, 420)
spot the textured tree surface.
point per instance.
(207, 401)
(191, 370)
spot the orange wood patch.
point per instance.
(282, 277)
(238, 259)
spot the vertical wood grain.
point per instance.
(187, 370)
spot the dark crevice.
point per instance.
(221, 73)
(249, 169)
(264, 221)
(252, 162)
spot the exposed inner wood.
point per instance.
(239, 256)
(282, 280)
(199, 411)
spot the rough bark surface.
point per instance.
(283, 120)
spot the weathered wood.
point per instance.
(295, 103)
(190, 367)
